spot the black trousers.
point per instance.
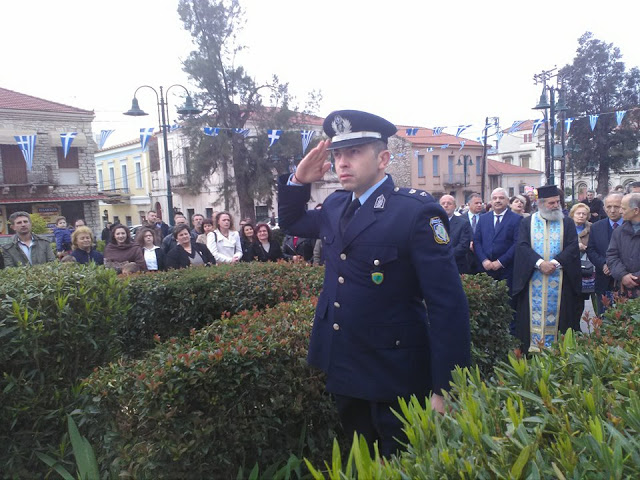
(374, 421)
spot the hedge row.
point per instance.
(570, 412)
(60, 321)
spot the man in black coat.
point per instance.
(599, 238)
(386, 250)
(595, 206)
(459, 232)
(547, 277)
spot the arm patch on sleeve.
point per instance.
(440, 234)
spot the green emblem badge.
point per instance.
(377, 277)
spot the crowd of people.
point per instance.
(156, 246)
(551, 259)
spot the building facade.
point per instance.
(54, 185)
(124, 180)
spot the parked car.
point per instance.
(133, 230)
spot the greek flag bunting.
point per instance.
(499, 136)
(274, 136)
(461, 128)
(536, 125)
(175, 127)
(27, 144)
(437, 130)
(67, 140)
(104, 134)
(619, 116)
(462, 144)
(567, 125)
(211, 131)
(412, 132)
(480, 140)
(593, 119)
(242, 131)
(446, 145)
(516, 126)
(145, 135)
(306, 135)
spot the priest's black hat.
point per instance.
(548, 191)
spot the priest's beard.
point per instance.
(550, 215)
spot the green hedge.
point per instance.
(570, 412)
(171, 303)
(57, 322)
(233, 394)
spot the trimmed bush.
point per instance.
(572, 411)
(57, 322)
(230, 395)
(170, 304)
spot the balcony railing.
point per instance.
(454, 179)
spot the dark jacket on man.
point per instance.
(623, 255)
(460, 233)
(599, 238)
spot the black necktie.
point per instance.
(348, 214)
(498, 217)
(474, 222)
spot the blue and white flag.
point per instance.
(480, 140)
(145, 135)
(536, 125)
(175, 126)
(620, 115)
(499, 135)
(593, 119)
(306, 135)
(461, 128)
(27, 144)
(104, 134)
(567, 125)
(242, 131)
(446, 145)
(462, 144)
(430, 149)
(67, 140)
(211, 131)
(438, 130)
(516, 126)
(274, 136)
(412, 132)
(416, 153)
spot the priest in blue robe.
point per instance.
(547, 280)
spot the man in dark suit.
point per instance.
(475, 209)
(495, 239)
(386, 249)
(599, 238)
(459, 232)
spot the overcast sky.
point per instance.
(414, 62)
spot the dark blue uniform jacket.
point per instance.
(371, 333)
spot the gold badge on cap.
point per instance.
(440, 234)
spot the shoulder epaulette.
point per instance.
(414, 193)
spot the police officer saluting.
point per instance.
(386, 249)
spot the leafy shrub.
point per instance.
(233, 394)
(490, 316)
(172, 303)
(57, 322)
(572, 411)
(39, 224)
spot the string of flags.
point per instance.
(27, 143)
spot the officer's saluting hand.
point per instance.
(386, 249)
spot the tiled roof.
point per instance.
(524, 126)
(426, 137)
(19, 101)
(120, 145)
(500, 168)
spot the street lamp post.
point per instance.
(550, 108)
(163, 117)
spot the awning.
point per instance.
(79, 141)
(7, 137)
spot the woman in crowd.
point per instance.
(121, 250)
(517, 203)
(247, 240)
(580, 214)
(187, 252)
(207, 226)
(224, 242)
(82, 244)
(154, 256)
(266, 249)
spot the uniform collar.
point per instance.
(363, 198)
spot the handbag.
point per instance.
(588, 275)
